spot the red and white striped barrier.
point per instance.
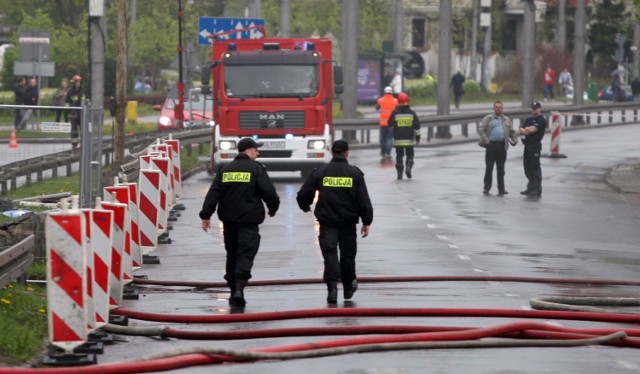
(136, 252)
(148, 203)
(163, 164)
(66, 278)
(167, 151)
(177, 169)
(126, 193)
(555, 136)
(100, 224)
(90, 303)
(120, 194)
(118, 265)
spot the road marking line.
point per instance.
(464, 257)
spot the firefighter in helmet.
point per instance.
(406, 133)
(75, 97)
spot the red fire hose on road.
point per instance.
(523, 334)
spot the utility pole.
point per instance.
(444, 65)
(398, 25)
(121, 81)
(98, 34)
(350, 57)
(474, 40)
(528, 65)
(579, 53)
(254, 8)
(636, 43)
(562, 25)
(285, 18)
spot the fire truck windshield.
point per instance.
(242, 81)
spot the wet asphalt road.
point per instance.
(438, 223)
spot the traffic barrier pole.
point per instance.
(163, 164)
(120, 194)
(555, 136)
(116, 284)
(167, 152)
(148, 203)
(177, 169)
(90, 302)
(66, 278)
(101, 229)
(136, 252)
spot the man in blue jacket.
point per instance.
(238, 191)
(343, 200)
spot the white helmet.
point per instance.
(388, 90)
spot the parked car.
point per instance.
(198, 113)
(606, 94)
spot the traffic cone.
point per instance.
(13, 141)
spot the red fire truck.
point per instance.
(279, 92)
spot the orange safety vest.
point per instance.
(387, 104)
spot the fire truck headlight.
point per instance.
(227, 145)
(212, 123)
(316, 144)
(164, 121)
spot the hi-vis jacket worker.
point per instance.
(386, 104)
(406, 128)
(342, 201)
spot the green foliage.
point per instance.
(23, 321)
(609, 19)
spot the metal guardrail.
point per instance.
(582, 115)
(15, 260)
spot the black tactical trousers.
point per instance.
(342, 267)
(241, 241)
(532, 170)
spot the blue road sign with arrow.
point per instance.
(212, 25)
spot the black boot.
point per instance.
(350, 288)
(237, 297)
(232, 289)
(399, 169)
(408, 169)
(332, 295)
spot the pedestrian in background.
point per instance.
(75, 97)
(18, 92)
(533, 129)
(386, 104)
(343, 200)
(31, 95)
(60, 99)
(549, 82)
(457, 82)
(496, 133)
(635, 88)
(238, 191)
(566, 83)
(406, 133)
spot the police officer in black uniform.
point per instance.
(532, 130)
(238, 190)
(343, 200)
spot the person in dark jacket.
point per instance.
(532, 130)
(343, 200)
(75, 97)
(457, 83)
(406, 128)
(18, 91)
(238, 191)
